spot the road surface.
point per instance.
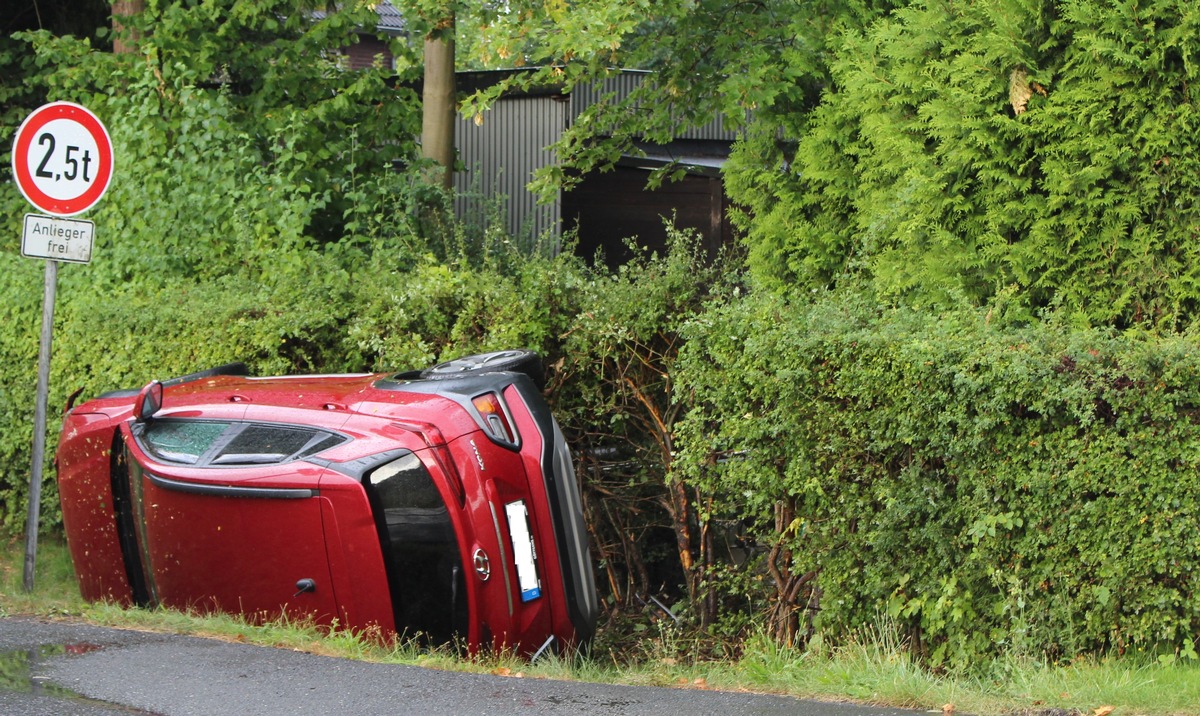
(52, 668)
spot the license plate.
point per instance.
(524, 553)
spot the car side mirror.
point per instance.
(149, 401)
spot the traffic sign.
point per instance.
(46, 237)
(62, 158)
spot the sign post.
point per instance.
(63, 161)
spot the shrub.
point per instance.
(221, 235)
(969, 149)
(989, 485)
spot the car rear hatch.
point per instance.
(517, 461)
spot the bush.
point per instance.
(992, 486)
(619, 401)
(990, 481)
(610, 343)
(968, 149)
(221, 237)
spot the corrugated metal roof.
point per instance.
(619, 86)
(390, 21)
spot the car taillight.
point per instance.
(495, 418)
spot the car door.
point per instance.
(222, 515)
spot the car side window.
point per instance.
(265, 444)
(421, 556)
(405, 484)
(225, 443)
(181, 440)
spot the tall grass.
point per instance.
(55, 591)
(874, 668)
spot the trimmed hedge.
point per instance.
(991, 487)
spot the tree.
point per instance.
(936, 150)
(439, 99)
(125, 38)
(1038, 150)
(78, 18)
(710, 59)
(270, 74)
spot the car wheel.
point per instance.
(236, 368)
(513, 361)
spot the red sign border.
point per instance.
(39, 118)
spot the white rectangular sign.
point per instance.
(47, 237)
(523, 550)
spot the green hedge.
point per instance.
(991, 487)
(966, 148)
(990, 482)
(608, 341)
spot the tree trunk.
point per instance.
(439, 107)
(125, 39)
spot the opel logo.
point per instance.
(483, 565)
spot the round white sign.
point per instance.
(62, 159)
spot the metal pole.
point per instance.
(39, 424)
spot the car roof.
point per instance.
(361, 403)
(324, 401)
(299, 391)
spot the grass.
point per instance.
(55, 592)
(872, 670)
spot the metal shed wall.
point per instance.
(622, 85)
(499, 157)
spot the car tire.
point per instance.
(521, 361)
(236, 368)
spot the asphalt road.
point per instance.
(68, 669)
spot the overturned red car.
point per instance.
(439, 504)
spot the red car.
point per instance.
(440, 504)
